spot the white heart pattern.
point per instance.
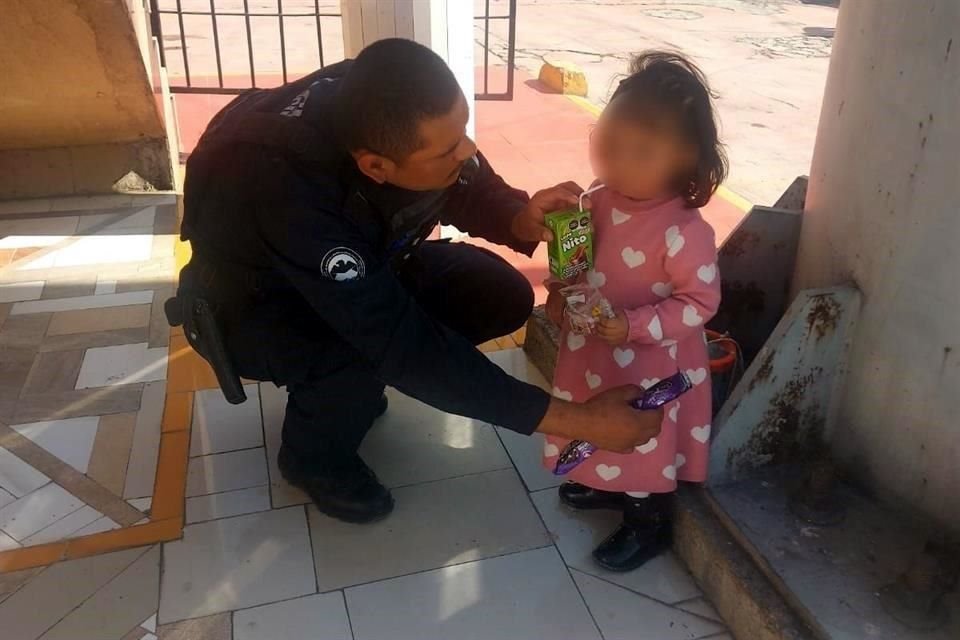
(701, 434)
(563, 395)
(707, 273)
(596, 279)
(672, 351)
(675, 241)
(696, 375)
(681, 460)
(662, 289)
(593, 380)
(633, 258)
(623, 356)
(637, 494)
(550, 450)
(656, 331)
(646, 383)
(672, 414)
(608, 473)
(619, 217)
(670, 472)
(575, 341)
(691, 317)
(647, 447)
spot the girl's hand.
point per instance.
(555, 306)
(614, 331)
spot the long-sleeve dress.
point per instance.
(656, 260)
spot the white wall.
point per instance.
(883, 210)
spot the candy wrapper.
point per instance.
(656, 396)
(585, 307)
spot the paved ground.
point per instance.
(766, 59)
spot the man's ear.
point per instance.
(373, 165)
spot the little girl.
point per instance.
(655, 148)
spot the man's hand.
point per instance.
(614, 331)
(528, 226)
(606, 421)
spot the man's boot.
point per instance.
(646, 532)
(344, 488)
(579, 496)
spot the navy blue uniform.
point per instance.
(326, 281)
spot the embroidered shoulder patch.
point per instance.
(342, 265)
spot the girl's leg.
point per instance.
(646, 532)
(580, 496)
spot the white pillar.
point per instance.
(883, 211)
(446, 26)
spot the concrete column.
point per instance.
(446, 26)
(883, 211)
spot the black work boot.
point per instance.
(646, 532)
(579, 496)
(345, 489)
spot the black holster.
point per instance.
(201, 326)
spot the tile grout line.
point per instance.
(346, 609)
(313, 558)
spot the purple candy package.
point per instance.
(656, 396)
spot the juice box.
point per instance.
(571, 250)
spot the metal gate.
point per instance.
(229, 46)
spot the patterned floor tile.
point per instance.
(17, 477)
(433, 525)
(320, 617)
(52, 372)
(236, 563)
(20, 291)
(78, 403)
(36, 510)
(65, 527)
(523, 596)
(219, 426)
(142, 468)
(227, 504)
(96, 320)
(83, 302)
(122, 364)
(111, 451)
(227, 472)
(95, 250)
(216, 627)
(70, 440)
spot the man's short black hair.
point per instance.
(393, 85)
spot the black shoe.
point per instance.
(347, 490)
(646, 532)
(578, 496)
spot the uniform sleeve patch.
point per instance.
(342, 265)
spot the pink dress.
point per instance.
(657, 261)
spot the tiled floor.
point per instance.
(478, 547)
(83, 358)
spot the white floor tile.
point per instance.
(274, 402)
(141, 219)
(141, 471)
(6, 498)
(70, 439)
(17, 477)
(83, 302)
(61, 588)
(122, 364)
(321, 617)
(117, 607)
(41, 227)
(434, 524)
(7, 543)
(226, 472)
(105, 287)
(415, 443)
(624, 615)
(150, 624)
(236, 563)
(230, 503)
(141, 504)
(577, 533)
(702, 608)
(97, 526)
(524, 596)
(219, 426)
(37, 510)
(25, 241)
(65, 527)
(20, 291)
(96, 250)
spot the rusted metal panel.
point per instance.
(782, 408)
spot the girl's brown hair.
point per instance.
(673, 86)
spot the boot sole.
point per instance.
(609, 506)
(636, 564)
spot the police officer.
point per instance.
(309, 207)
